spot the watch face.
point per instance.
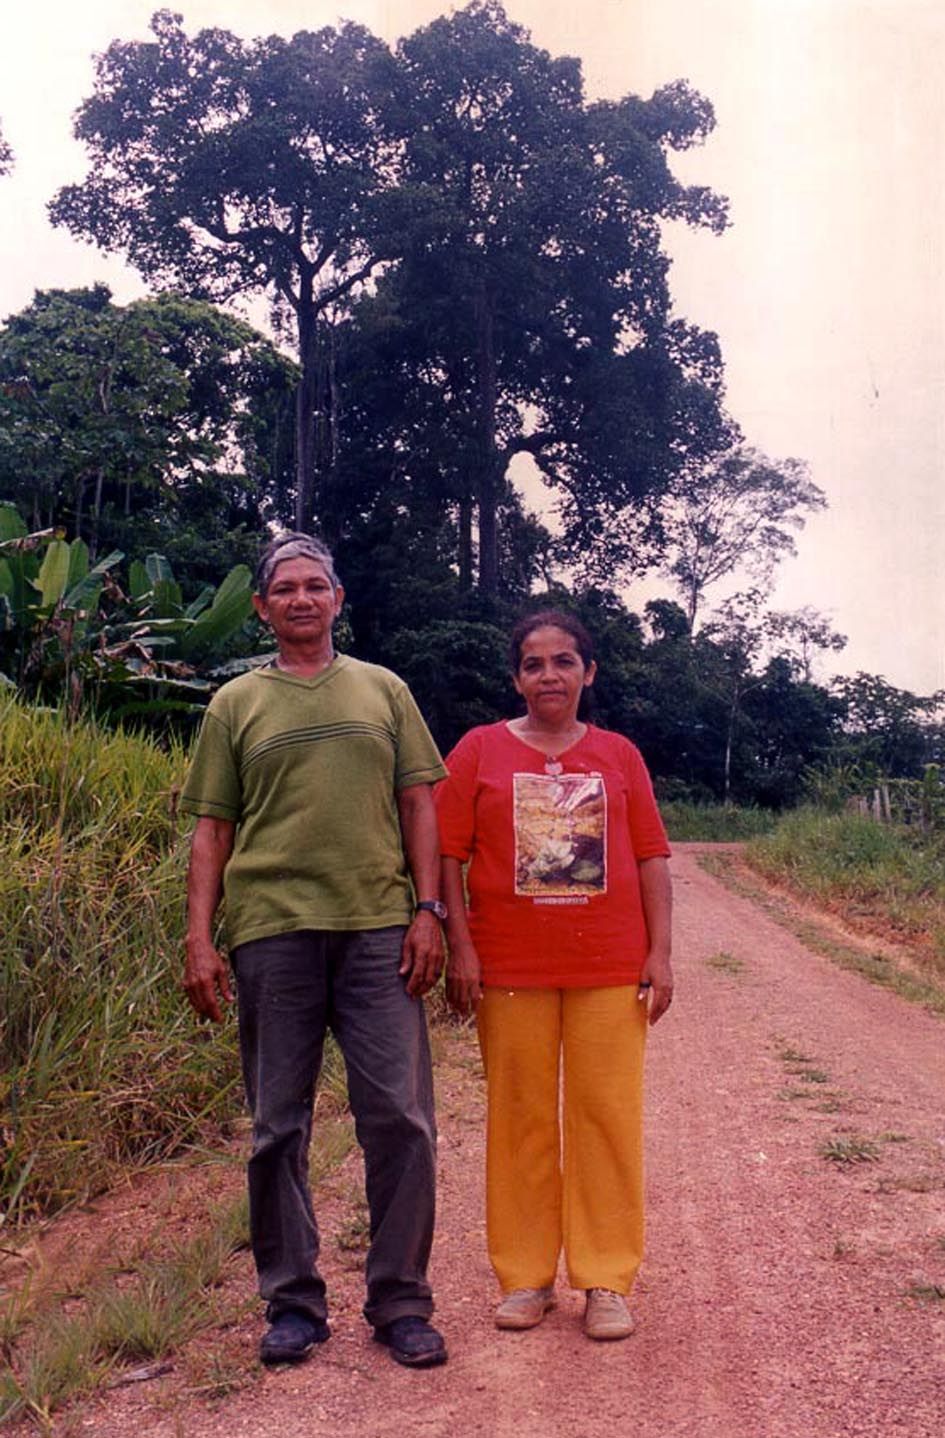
(435, 906)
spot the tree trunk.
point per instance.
(487, 478)
(729, 740)
(306, 400)
(96, 514)
(79, 495)
(465, 544)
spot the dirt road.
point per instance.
(783, 1296)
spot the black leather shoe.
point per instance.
(412, 1341)
(291, 1337)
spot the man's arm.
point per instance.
(656, 891)
(206, 979)
(422, 959)
(463, 974)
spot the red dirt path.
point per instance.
(775, 1301)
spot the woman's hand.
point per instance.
(656, 892)
(463, 979)
(656, 980)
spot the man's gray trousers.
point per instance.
(292, 989)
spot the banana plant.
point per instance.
(191, 632)
(67, 629)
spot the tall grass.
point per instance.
(887, 875)
(102, 1065)
(714, 823)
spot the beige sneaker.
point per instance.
(607, 1315)
(524, 1307)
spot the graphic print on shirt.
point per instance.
(560, 827)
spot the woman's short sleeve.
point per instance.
(455, 799)
(647, 834)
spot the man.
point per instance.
(311, 782)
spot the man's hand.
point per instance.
(422, 959)
(206, 979)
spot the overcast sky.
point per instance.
(828, 291)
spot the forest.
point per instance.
(415, 299)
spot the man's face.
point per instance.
(300, 604)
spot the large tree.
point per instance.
(526, 222)
(538, 282)
(225, 167)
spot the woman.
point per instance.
(564, 954)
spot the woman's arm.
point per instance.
(657, 893)
(463, 975)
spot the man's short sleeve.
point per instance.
(212, 788)
(418, 759)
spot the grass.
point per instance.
(801, 1069)
(714, 823)
(102, 1065)
(848, 1151)
(876, 968)
(884, 875)
(927, 1292)
(147, 1305)
(139, 1312)
(726, 963)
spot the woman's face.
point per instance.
(552, 675)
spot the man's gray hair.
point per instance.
(292, 546)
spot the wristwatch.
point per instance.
(434, 906)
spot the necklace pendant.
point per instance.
(554, 767)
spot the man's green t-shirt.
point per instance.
(308, 770)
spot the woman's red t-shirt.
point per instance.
(554, 891)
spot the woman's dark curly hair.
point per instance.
(545, 619)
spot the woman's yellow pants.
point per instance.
(574, 1182)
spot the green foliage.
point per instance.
(895, 875)
(66, 637)
(275, 159)
(116, 421)
(100, 1063)
(919, 802)
(737, 512)
(887, 729)
(714, 823)
(520, 227)
(458, 673)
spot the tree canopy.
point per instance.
(117, 420)
(223, 167)
(736, 513)
(511, 225)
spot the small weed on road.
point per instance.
(847, 1151)
(726, 963)
(927, 1292)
